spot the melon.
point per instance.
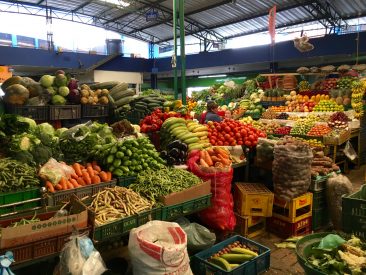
(346, 101)
(339, 100)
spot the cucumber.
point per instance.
(104, 85)
(122, 94)
(123, 101)
(118, 88)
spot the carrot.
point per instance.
(81, 181)
(207, 158)
(74, 183)
(109, 176)
(95, 179)
(203, 163)
(221, 151)
(215, 159)
(77, 168)
(74, 176)
(90, 171)
(50, 187)
(103, 176)
(210, 151)
(202, 154)
(88, 165)
(58, 187)
(69, 185)
(96, 167)
(86, 178)
(224, 161)
(96, 172)
(63, 183)
(219, 165)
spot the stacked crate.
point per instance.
(291, 218)
(320, 215)
(253, 203)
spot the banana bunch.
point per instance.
(188, 131)
(235, 257)
(358, 91)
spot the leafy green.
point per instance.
(330, 242)
(46, 128)
(13, 124)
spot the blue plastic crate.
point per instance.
(261, 263)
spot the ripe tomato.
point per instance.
(248, 143)
(243, 132)
(218, 128)
(227, 136)
(240, 142)
(226, 143)
(213, 142)
(251, 138)
(227, 129)
(233, 143)
(237, 136)
(219, 143)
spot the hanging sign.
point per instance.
(272, 24)
(152, 15)
(5, 73)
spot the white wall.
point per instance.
(128, 77)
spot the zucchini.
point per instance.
(122, 94)
(118, 88)
(153, 105)
(123, 101)
(104, 85)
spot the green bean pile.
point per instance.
(153, 184)
(15, 175)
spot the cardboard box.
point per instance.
(48, 227)
(194, 192)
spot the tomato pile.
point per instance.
(319, 130)
(231, 132)
(153, 122)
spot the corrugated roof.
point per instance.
(225, 18)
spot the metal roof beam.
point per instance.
(189, 13)
(245, 18)
(82, 6)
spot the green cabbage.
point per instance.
(58, 100)
(46, 128)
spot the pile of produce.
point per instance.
(329, 83)
(147, 104)
(155, 184)
(175, 153)
(328, 106)
(16, 176)
(322, 165)
(319, 130)
(302, 126)
(123, 128)
(233, 256)
(265, 149)
(154, 121)
(246, 120)
(291, 168)
(119, 94)
(313, 143)
(78, 175)
(269, 114)
(289, 82)
(284, 130)
(277, 109)
(215, 157)
(232, 132)
(273, 95)
(358, 91)
(338, 120)
(282, 116)
(304, 86)
(344, 83)
(192, 133)
(334, 255)
(90, 97)
(128, 157)
(116, 203)
(271, 127)
(58, 87)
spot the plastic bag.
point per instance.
(198, 236)
(79, 257)
(349, 151)
(221, 214)
(53, 171)
(337, 186)
(157, 248)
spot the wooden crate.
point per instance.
(249, 226)
(286, 229)
(294, 210)
(253, 199)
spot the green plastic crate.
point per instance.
(175, 211)
(354, 214)
(319, 200)
(123, 226)
(125, 181)
(320, 218)
(20, 200)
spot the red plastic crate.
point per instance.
(285, 229)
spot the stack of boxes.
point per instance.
(253, 203)
(291, 218)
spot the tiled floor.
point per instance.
(283, 261)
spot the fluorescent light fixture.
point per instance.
(117, 2)
(211, 76)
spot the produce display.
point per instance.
(302, 126)
(329, 83)
(304, 86)
(358, 91)
(321, 164)
(271, 127)
(284, 130)
(328, 106)
(146, 104)
(246, 120)
(313, 143)
(277, 109)
(123, 128)
(265, 150)
(215, 157)
(154, 121)
(192, 133)
(90, 97)
(338, 120)
(335, 255)
(231, 132)
(345, 83)
(273, 95)
(155, 184)
(233, 256)
(319, 130)
(115, 203)
(16, 176)
(128, 157)
(291, 168)
(269, 114)
(283, 116)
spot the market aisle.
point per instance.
(283, 261)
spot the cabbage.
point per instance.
(59, 131)
(31, 122)
(47, 80)
(64, 91)
(46, 128)
(58, 100)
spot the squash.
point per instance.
(16, 94)
(11, 81)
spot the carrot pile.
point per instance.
(91, 173)
(215, 157)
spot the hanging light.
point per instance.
(121, 3)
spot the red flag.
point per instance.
(272, 24)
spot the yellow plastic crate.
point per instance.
(292, 211)
(249, 226)
(253, 199)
